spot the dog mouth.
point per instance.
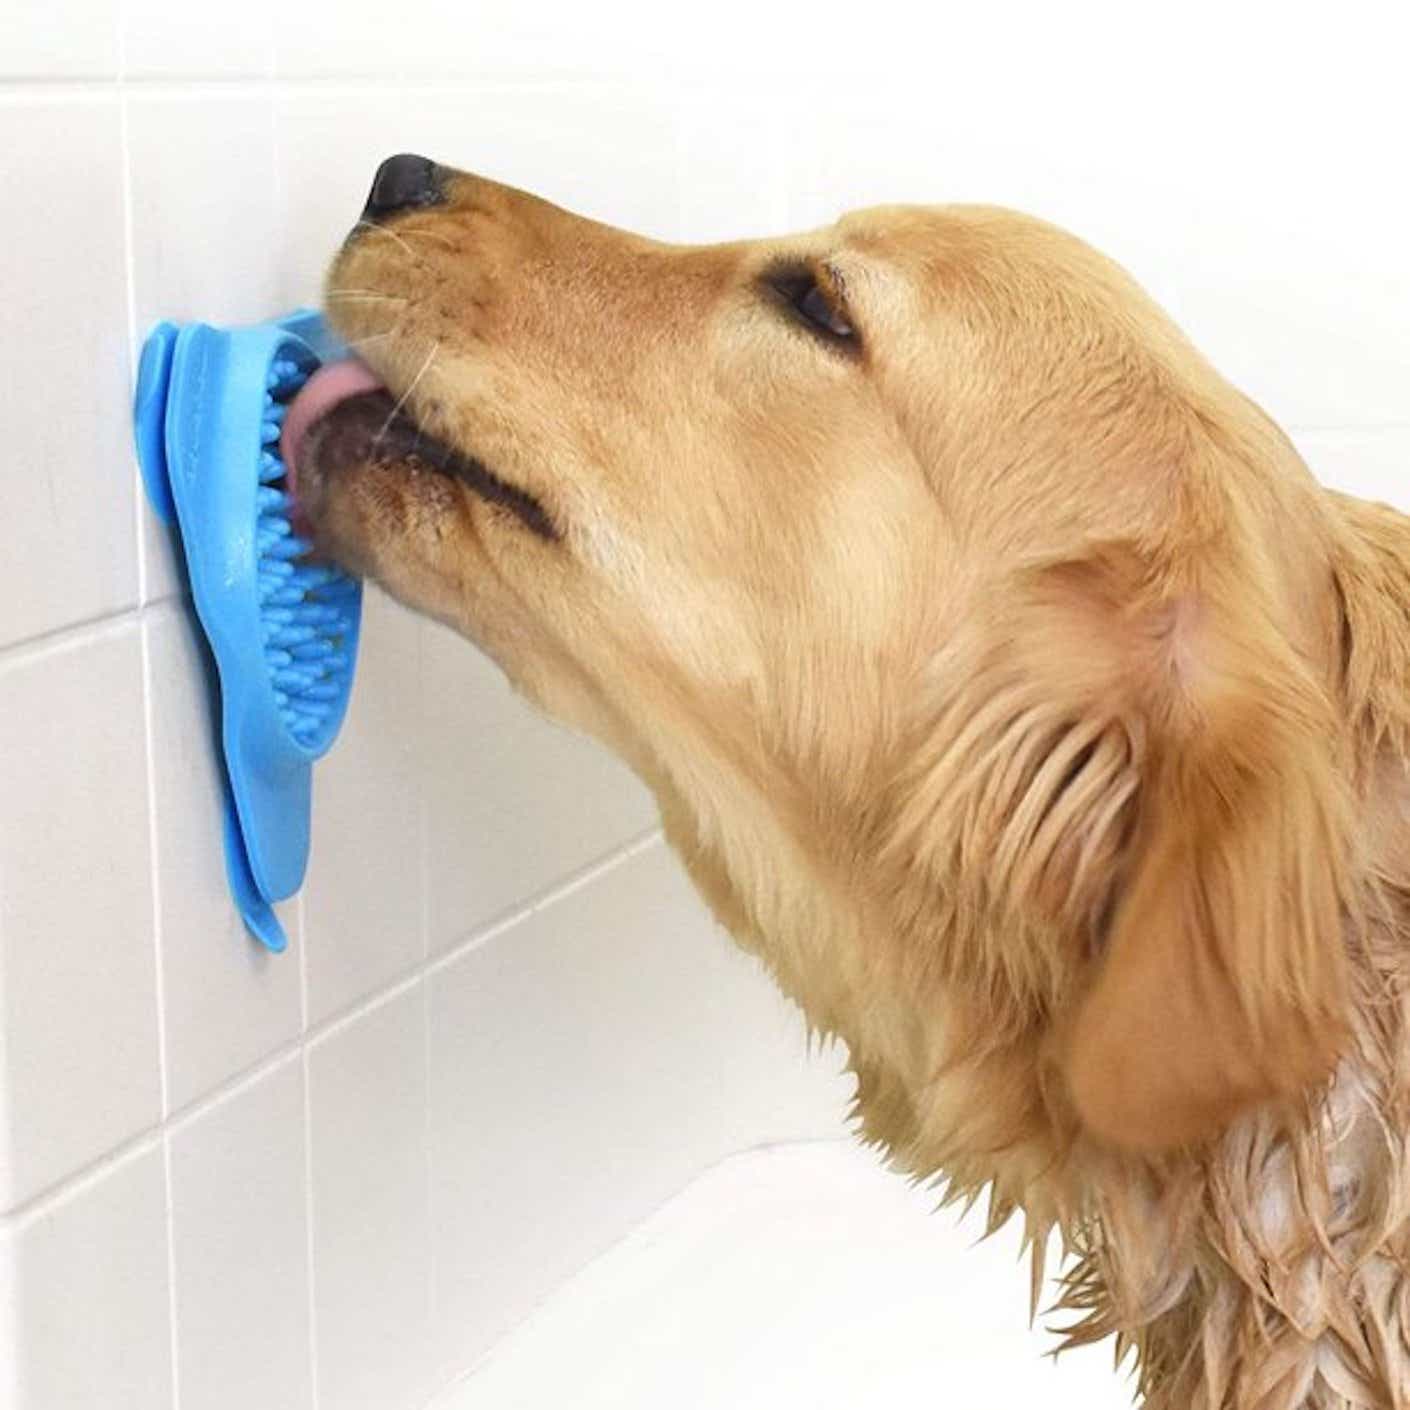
(344, 417)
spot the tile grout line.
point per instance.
(172, 1311)
(69, 635)
(144, 636)
(493, 929)
(271, 52)
(344, 1019)
(233, 1087)
(301, 929)
(423, 881)
(423, 807)
(130, 260)
(80, 1182)
(180, 1118)
(432, 1349)
(309, 1216)
(23, 89)
(1345, 428)
(280, 190)
(163, 1047)
(301, 1048)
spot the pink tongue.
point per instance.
(334, 382)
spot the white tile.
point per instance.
(340, 38)
(63, 39)
(330, 144)
(513, 802)
(505, 41)
(228, 1001)
(9, 1321)
(371, 1247)
(164, 573)
(1371, 464)
(585, 1065)
(204, 203)
(202, 40)
(495, 39)
(68, 481)
(201, 239)
(77, 955)
(240, 1233)
(362, 898)
(90, 1297)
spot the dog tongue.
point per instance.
(334, 382)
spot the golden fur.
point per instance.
(1007, 684)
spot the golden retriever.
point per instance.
(1006, 683)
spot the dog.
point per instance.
(1007, 684)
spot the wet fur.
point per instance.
(1007, 685)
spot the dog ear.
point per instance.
(1222, 979)
(1131, 810)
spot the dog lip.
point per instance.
(332, 384)
(368, 427)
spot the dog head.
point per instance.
(918, 558)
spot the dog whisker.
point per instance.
(358, 343)
(337, 298)
(390, 234)
(364, 294)
(429, 235)
(411, 387)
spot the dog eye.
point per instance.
(817, 309)
(813, 305)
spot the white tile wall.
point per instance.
(512, 802)
(197, 251)
(616, 1043)
(66, 39)
(226, 1003)
(78, 1009)
(369, 1186)
(330, 140)
(160, 40)
(205, 199)
(239, 1205)
(326, 1179)
(363, 913)
(90, 1318)
(64, 365)
(342, 38)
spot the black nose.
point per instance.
(404, 182)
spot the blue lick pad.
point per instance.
(283, 630)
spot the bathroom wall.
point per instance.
(505, 1030)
